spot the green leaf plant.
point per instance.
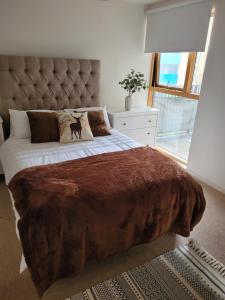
(134, 82)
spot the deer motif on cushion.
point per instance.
(76, 128)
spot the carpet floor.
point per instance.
(209, 233)
(188, 272)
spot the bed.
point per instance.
(18, 154)
(86, 200)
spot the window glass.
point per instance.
(198, 73)
(172, 69)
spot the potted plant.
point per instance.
(134, 82)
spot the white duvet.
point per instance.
(19, 154)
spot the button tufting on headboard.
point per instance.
(31, 82)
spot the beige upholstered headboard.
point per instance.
(47, 83)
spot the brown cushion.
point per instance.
(43, 126)
(97, 123)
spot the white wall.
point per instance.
(207, 152)
(112, 31)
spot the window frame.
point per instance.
(181, 92)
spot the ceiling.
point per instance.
(144, 1)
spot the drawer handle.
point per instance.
(148, 133)
(124, 124)
(150, 121)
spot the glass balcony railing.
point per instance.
(175, 124)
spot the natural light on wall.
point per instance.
(200, 62)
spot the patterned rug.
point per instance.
(188, 272)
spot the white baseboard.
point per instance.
(206, 181)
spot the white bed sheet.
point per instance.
(19, 154)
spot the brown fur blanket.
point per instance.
(97, 206)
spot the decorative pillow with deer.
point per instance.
(74, 127)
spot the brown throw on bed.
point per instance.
(96, 206)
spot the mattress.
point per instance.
(19, 154)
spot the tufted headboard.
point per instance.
(47, 83)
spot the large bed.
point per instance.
(86, 200)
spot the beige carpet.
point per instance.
(210, 233)
(176, 274)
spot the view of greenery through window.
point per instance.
(177, 114)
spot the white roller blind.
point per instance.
(178, 28)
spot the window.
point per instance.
(173, 73)
(198, 73)
(175, 85)
(179, 74)
(172, 70)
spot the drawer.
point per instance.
(133, 122)
(145, 136)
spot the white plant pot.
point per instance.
(129, 103)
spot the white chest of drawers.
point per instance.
(139, 124)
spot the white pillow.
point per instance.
(97, 108)
(19, 123)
